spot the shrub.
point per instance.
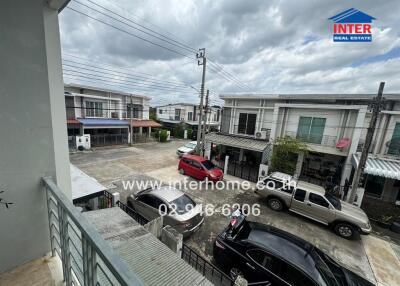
(163, 135)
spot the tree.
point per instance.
(284, 155)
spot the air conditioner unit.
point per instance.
(261, 135)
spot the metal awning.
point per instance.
(83, 186)
(97, 122)
(379, 166)
(237, 141)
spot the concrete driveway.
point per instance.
(150, 161)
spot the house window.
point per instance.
(190, 116)
(135, 112)
(94, 109)
(177, 114)
(247, 123)
(160, 111)
(394, 144)
(311, 129)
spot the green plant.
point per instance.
(189, 133)
(163, 135)
(284, 155)
(179, 130)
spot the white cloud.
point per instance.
(272, 46)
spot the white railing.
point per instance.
(87, 259)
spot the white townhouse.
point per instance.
(334, 127)
(106, 114)
(188, 113)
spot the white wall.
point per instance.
(34, 132)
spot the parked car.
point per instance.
(265, 255)
(199, 168)
(188, 148)
(312, 201)
(179, 210)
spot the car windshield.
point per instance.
(183, 204)
(334, 201)
(208, 164)
(331, 272)
(190, 145)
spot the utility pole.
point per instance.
(131, 115)
(201, 61)
(376, 107)
(205, 122)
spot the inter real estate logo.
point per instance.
(352, 26)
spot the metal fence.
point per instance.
(135, 215)
(108, 139)
(86, 257)
(240, 169)
(325, 140)
(208, 270)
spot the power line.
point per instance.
(116, 82)
(124, 73)
(181, 45)
(133, 79)
(129, 33)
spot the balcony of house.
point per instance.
(111, 245)
(247, 131)
(320, 143)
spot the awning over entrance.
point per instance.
(237, 141)
(144, 123)
(84, 186)
(382, 167)
(101, 122)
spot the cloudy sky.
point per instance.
(257, 46)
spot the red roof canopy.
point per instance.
(144, 123)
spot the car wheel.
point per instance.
(345, 230)
(275, 204)
(181, 171)
(235, 272)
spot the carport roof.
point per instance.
(379, 166)
(237, 141)
(102, 122)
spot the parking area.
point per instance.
(111, 166)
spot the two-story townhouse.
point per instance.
(109, 116)
(172, 114)
(333, 126)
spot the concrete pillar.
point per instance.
(140, 130)
(274, 130)
(241, 152)
(226, 165)
(354, 143)
(34, 131)
(299, 165)
(207, 149)
(149, 128)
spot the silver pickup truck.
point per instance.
(311, 201)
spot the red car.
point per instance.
(200, 168)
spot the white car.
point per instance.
(189, 148)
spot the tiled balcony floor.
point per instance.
(46, 271)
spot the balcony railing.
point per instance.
(324, 140)
(87, 259)
(242, 132)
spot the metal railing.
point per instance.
(108, 139)
(324, 140)
(133, 214)
(87, 259)
(208, 270)
(244, 132)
